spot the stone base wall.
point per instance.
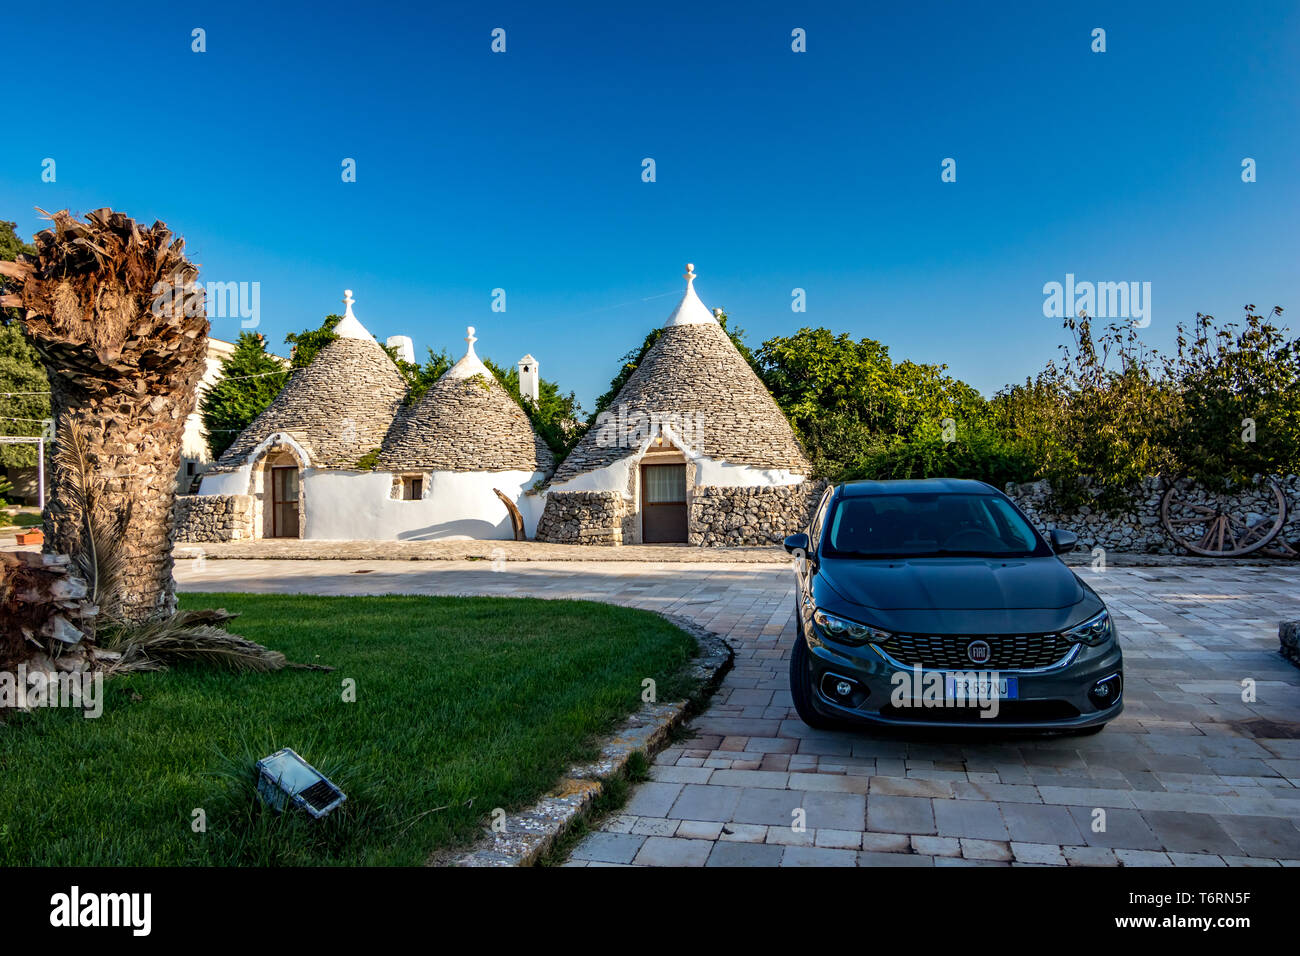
(733, 517)
(1137, 530)
(582, 517)
(208, 518)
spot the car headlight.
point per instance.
(846, 631)
(1092, 632)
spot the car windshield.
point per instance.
(929, 525)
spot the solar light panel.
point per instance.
(285, 779)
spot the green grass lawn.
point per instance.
(462, 705)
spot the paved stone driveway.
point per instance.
(1190, 775)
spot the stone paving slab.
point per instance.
(1191, 774)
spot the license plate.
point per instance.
(965, 687)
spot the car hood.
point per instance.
(955, 584)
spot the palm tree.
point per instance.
(121, 327)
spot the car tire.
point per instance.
(801, 687)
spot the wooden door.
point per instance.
(663, 503)
(284, 502)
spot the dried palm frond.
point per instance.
(155, 645)
(99, 557)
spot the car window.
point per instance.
(930, 524)
(819, 518)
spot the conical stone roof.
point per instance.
(339, 408)
(466, 422)
(694, 370)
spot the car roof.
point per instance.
(915, 486)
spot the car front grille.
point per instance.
(1009, 651)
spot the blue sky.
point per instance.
(775, 169)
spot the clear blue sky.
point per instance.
(775, 170)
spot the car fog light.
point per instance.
(844, 691)
(1106, 692)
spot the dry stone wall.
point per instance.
(582, 517)
(1136, 530)
(207, 518)
(732, 517)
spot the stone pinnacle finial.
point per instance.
(690, 273)
(470, 339)
(348, 300)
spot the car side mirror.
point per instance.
(797, 542)
(1063, 542)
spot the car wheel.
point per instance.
(801, 688)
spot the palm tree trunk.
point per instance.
(121, 327)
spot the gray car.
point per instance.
(936, 602)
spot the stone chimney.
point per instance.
(405, 347)
(528, 378)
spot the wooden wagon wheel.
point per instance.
(1223, 524)
(1279, 547)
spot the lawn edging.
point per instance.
(528, 834)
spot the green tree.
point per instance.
(24, 388)
(850, 403)
(250, 380)
(556, 416)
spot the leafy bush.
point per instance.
(1239, 407)
(979, 452)
(849, 401)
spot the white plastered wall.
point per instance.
(358, 506)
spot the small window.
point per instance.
(412, 488)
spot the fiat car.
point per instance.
(937, 602)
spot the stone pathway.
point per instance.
(1188, 776)
(473, 550)
(515, 551)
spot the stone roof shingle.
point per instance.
(340, 407)
(694, 369)
(465, 424)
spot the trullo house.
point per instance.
(339, 455)
(693, 450)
